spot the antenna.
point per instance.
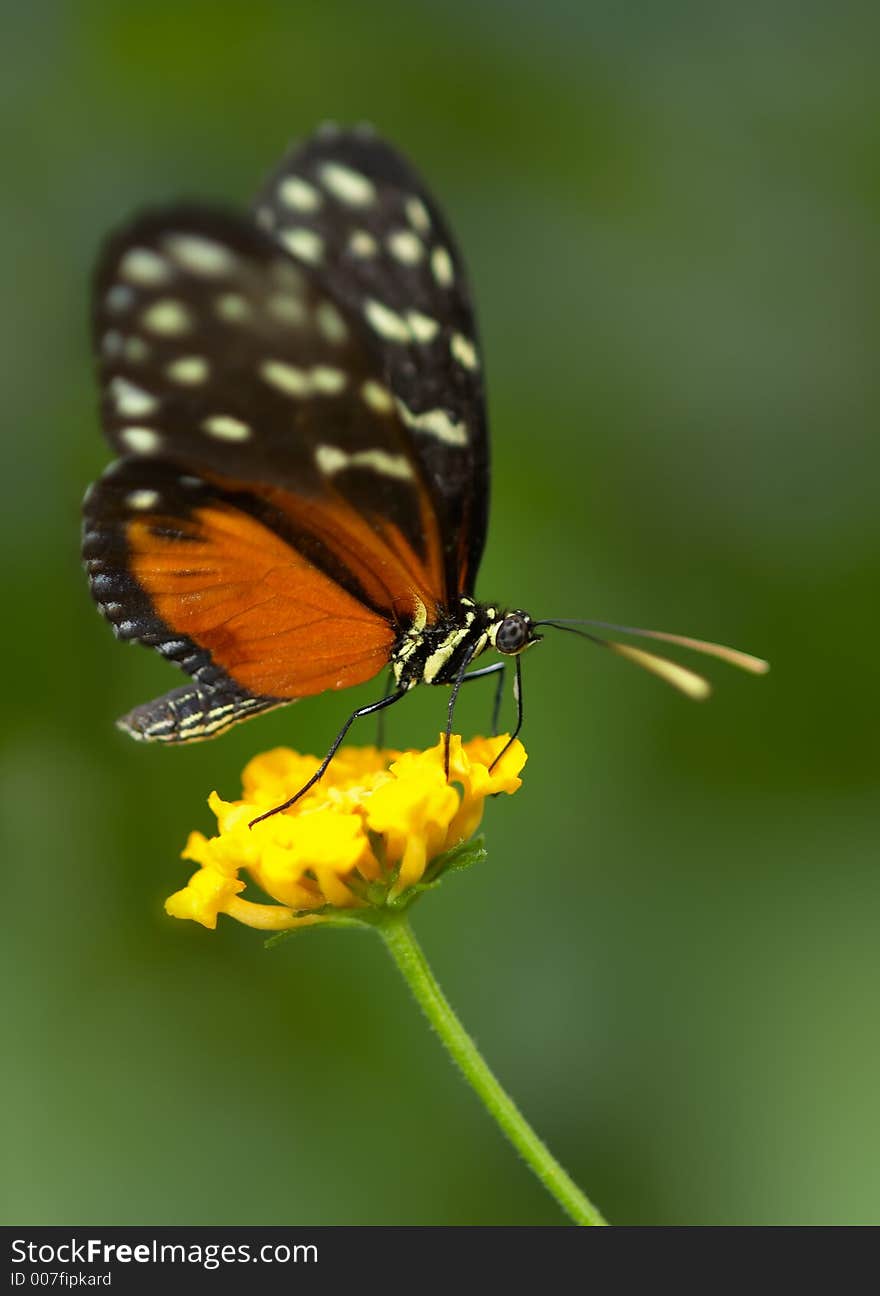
(686, 681)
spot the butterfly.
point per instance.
(301, 499)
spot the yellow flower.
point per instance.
(361, 839)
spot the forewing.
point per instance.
(379, 246)
(222, 355)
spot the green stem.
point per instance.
(407, 954)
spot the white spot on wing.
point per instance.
(463, 350)
(386, 322)
(377, 397)
(322, 380)
(441, 264)
(135, 349)
(131, 401)
(226, 428)
(142, 499)
(332, 459)
(362, 244)
(144, 266)
(299, 194)
(188, 370)
(112, 343)
(304, 243)
(405, 247)
(286, 378)
(423, 327)
(436, 423)
(327, 380)
(287, 309)
(167, 317)
(119, 298)
(417, 215)
(330, 323)
(232, 307)
(202, 256)
(117, 465)
(347, 185)
(142, 440)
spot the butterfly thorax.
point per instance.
(436, 653)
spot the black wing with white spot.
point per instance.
(352, 208)
(219, 352)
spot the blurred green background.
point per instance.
(671, 957)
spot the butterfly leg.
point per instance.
(463, 675)
(355, 715)
(499, 693)
(380, 719)
(497, 668)
(517, 693)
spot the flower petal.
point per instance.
(372, 811)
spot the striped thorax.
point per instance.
(437, 653)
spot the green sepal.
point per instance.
(382, 904)
(330, 917)
(459, 857)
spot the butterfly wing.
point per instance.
(212, 577)
(360, 214)
(218, 352)
(269, 528)
(301, 422)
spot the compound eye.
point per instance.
(512, 635)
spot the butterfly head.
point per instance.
(513, 632)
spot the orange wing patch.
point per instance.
(275, 623)
(375, 551)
